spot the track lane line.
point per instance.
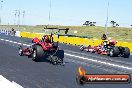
(102, 58)
(101, 62)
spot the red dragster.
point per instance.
(108, 47)
(45, 48)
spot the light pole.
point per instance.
(49, 12)
(107, 18)
(15, 15)
(18, 22)
(1, 6)
(23, 17)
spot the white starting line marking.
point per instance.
(80, 57)
(2, 39)
(19, 43)
(14, 42)
(25, 44)
(6, 40)
(10, 41)
(5, 83)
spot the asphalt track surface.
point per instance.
(30, 74)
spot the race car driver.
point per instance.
(47, 45)
(46, 39)
(104, 42)
(104, 37)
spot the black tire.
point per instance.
(60, 55)
(37, 53)
(126, 52)
(82, 48)
(21, 51)
(54, 60)
(114, 52)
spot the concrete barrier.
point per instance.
(5, 32)
(17, 33)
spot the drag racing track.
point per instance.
(30, 74)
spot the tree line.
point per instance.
(113, 23)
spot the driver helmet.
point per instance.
(35, 40)
(45, 38)
(104, 37)
(112, 41)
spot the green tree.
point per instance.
(113, 23)
(94, 23)
(117, 25)
(87, 23)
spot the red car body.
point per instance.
(45, 46)
(108, 47)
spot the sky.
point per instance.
(66, 12)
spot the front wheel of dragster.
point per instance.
(57, 58)
(37, 53)
(31, 53)
(114, 52)
(54, 60)
(82, 48)
(20, 51)
(126, 52)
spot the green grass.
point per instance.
(121, 34)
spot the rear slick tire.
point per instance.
(126, 52)
(37, 53)
(114, 52)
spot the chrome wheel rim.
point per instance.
(20, 51)
(111, 53)
(34, 54)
